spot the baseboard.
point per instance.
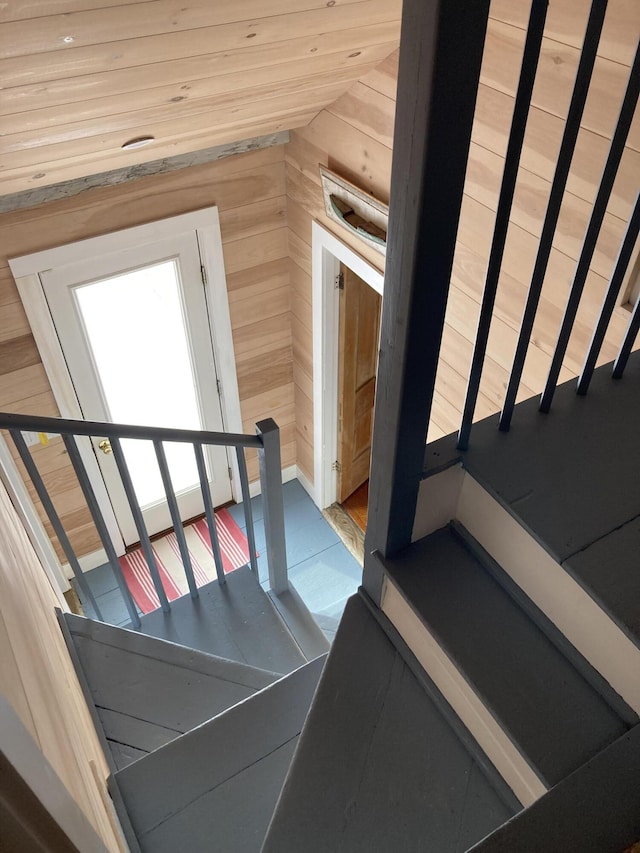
(87, 562)
(289, 473)
(306, 484)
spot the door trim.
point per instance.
(26, 269)
(328, 252)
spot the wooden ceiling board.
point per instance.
(135, 52)
(79, 79)
(165, 126)
(26, 178)
(299, 89)
(335, 49)
(69, 31)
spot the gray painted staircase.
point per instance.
(411, 776)
(147, 691)
(552, 704)
(381, 764)
(240, 621)
(570, 478)
(215, 788)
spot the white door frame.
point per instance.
(26, 269)
(328, 252)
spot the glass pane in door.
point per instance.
(135, 329)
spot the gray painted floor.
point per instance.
(320, 567)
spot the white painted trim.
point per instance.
(289, 473)
(492, 739)
(10, 477)
(55, 366)
(217, 299)
(206, 224)
(437, 502)
(116, 241)
(305, 482)
(327, 254)
(87, 562)
(553, 590)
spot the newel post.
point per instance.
(273, 502)
(441, 48)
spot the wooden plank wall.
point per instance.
(249, 190)
(38, 679)
(354, 137)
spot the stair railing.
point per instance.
(439, 75)
(266, 442)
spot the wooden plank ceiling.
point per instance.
(80, 78)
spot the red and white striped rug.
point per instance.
(233, 546)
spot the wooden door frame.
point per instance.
(26, 269)
(328, 252)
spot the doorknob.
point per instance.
(105, 446)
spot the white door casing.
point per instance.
(129, 249)
(327, 254)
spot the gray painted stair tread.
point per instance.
(610, 570)
(169, 652)
(378, 767)
(595, 810)
(147, 691)
(124, 755)
(152, 690)
(234, 817)
(192, 778)
(571, 476)
(236, 621)
(131, 731)
(548, 708)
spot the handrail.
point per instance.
(65, 426)
(266, 442)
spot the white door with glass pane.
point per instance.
(135, 333)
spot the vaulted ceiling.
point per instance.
(81, 78)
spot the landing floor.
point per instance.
(320, 568)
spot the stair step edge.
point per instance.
(175, 654)
(236, 736)
(530, 738)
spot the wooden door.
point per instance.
(360, 308)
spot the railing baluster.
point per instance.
(563, 165)
(610, 299)
(273, 503)
(175, 517)
(52, 515)
(629, 338)
(522, 104)
(141, 527)
(208, 508)
(101, 527)
(248, 509)
(616, 149)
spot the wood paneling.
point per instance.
(354, 137)
(249, 190)
(79, 81)
(38, 679)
